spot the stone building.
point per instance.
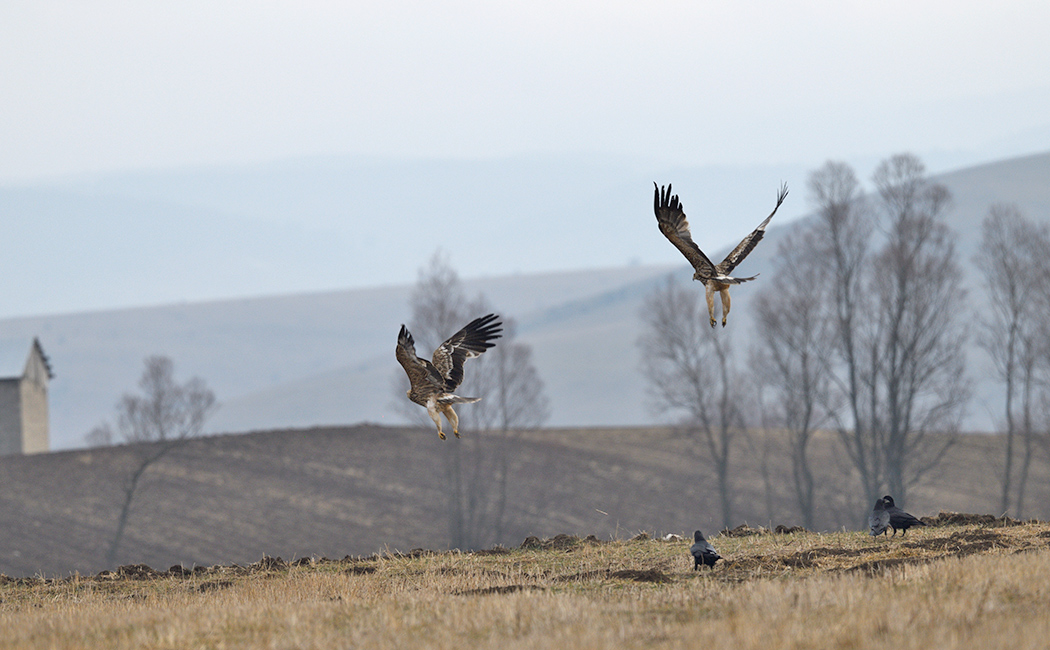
(24, 376)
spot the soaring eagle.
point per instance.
(434, 382)
(673, 225)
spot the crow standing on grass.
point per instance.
(899, 518)
(879, 519)
(703, 552)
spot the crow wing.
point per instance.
(703, 548)
(900, 519)
(673, 224)
(748, 244)
(475, 337)
(421, 373)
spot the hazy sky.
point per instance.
(99, 86)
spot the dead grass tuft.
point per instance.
(560, 542)
(359, 570)
(877, 567)
(743, 530)
(508, 589)
(963, 519)
(496, 550)
(133, 572)
(644, 575)
(212, 585)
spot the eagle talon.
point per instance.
(457, 434)
(441, 434)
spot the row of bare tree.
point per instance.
(1016, 335)
(861, 330)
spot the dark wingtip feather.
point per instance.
(663, 198)
(482, 331)
(404, 337)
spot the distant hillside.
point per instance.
(329, 223)
(322, 359)
(355, 490)
(326, 358)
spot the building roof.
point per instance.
(14, 354)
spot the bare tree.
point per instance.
(690, 370)
(1016, 273)
(917, 376)
(899, 357)
(512, 402)
(477, 468)
(1037, 395)
(793, 319)
(761, 444)
(843, 233)
(163, 417)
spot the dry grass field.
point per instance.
(949, 586)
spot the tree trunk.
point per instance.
(125, 511)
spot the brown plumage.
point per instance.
(434, 382)
(673, 224)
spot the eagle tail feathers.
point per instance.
(456, 399)
(725, 279)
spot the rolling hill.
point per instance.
(357, 490)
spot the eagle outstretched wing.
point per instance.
(421, 373)
(433, 382)
(673, 224)
(748, 244)
(475, 337)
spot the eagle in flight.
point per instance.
(672, 222)
(434, 382)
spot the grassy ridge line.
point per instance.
(955, 586)
(355, 490)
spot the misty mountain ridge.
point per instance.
(326, 358)
(322, 224)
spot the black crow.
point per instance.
(879, 519)
(899, 518)
(703, 552)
